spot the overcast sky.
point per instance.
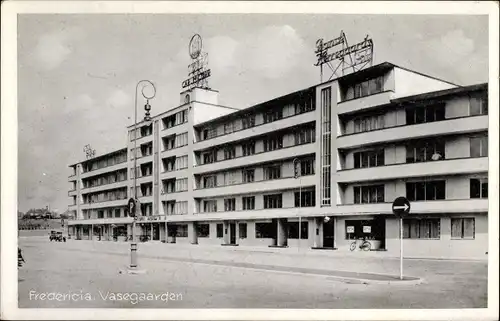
(77, 73)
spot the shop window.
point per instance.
(463, 228)
(479, 188)
(203, 230)
(243, 230)
(265, 230)
(421, 228)
(182, 230)
(293, 230)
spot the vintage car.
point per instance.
(56, 236)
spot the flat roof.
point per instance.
(441, 93)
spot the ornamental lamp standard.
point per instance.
(136, 203)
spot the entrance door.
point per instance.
(328, 233)
(156, 232)
(232, 233)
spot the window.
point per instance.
(305, 199)
(369, 194)
(425, 114)
(293, 230)
(210, 157)
(273, 143)
(368, 123)
(220, 230)
(248, 121)
(210, 206)
(425, 151)
(210, 181)
(248, 148)
(181, 162)
(463, 228)
(181, 140)
(272, 172)
(229, 204)
(209, 133)
(230, 178)
(229, 152)
(228, 128)
(243, 230)
(371, 158)
(181, 117)
(369, 87)
(304, 106)
(305, 136)
(248, 203)
(181, 230)
(273, 201)
(273, 115)
(100, 214)
(181, 208)
(479, 146)
(478, 105)
(265, 230)
(146, 130)
(117, 212)
(307, 166)
(479, 188)
(203, 230)
(181, 184)
(326, 140)
(426, 191)
(248, 175)
(421, 229)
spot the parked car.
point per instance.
(56, 236)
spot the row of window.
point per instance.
(418, 191)
(270, 143)
(175, 185)
(175, 163)
(248, 121)
(461, 228)
(419, 151)
(110, 195)
(105, 162)
(304, 199)
(175, 208)
(109, 178)
(247, 175)
(178, 118)
(431, 112)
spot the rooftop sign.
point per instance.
(198, 71)
(354, 57)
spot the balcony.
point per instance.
(362, 103)
(144, 179)
(257, 187)
(420, 207)
(72, 192)
(104, 187)
(276, 155)
(178, 151)
(431, 168)
(115, 220)
(460, 125)
(174, 174)
(103, 170)
(145, 199)
(72, 178)
(176, 196)
(115, 203)
(257, 130)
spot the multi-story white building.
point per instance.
(209, 174)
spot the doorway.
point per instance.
(232, 233)
(328, 233)
(156, 232)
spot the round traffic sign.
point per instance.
(401, 206)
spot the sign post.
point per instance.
(400, 208)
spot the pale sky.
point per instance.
(77, 73)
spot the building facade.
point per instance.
(323, 164)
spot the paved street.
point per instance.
(93, 274)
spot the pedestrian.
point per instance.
(20, 259)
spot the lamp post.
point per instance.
(297, 174)
(147, 107)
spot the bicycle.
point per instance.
(365, 245)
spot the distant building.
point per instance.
(209, 174)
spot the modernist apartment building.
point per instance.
(209, 174)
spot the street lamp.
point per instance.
(147, 117)
(298, 174)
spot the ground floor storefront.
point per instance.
(438, 235)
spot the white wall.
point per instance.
(204, 112)
(410, 83)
